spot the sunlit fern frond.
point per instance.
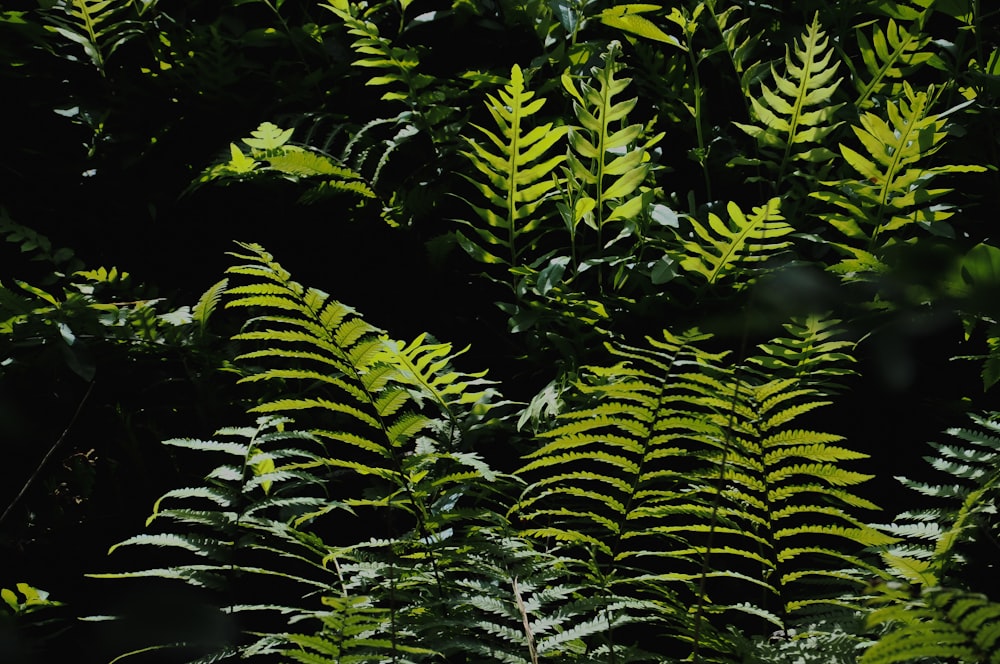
(939, 624)
(393, 66)
(272, 156)
(889, 194)
(100, 27)
(514, 174)
(671, 458)
(890, 57)
(612, 454)
(378, 430)
(742, 245)
(375, 387)
(794, 120)
(608, 157)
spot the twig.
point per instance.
(48, 455)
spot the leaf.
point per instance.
(629, 18)
(207, 303)
(268, 136)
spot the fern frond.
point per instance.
(271, 155)
(100, 27)
(721, 249)
(891, 194)
(943, 622)
(795, 118)
(890, 57)
(608, 160)
(394, 65)
(813, 351)
(929, 553)
(514, 176)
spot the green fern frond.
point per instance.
(100, 27)
(394, 65)
(812, 351)
(890, 57)
(942, 622)
(670, 458)
(795, 118)
(207, 303)
(514, 176)
(608, 161)
(271, 155)
(721, 249)
(892, 194)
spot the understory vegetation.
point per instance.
(491, 331)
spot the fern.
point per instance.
(812, 351)
(514, 175)
(795, 118)
(272, 156)
(930, 555)
(942, 622)
(890, 57)
(100, 27)
(672, 461)
(352, 630)
(393, 416)
(719, 249)
(394, 65)
(607, 164)
(892, 194)
(928, 615)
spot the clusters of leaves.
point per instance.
(688, 487)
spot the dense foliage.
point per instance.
(500, 332)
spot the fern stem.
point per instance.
(522, 609)
(699, 129)
(720, 484)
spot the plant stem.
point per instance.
(48, 455)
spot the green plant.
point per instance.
(666, 201)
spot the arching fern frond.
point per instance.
(793, 120)
(929, 556)
(379, 431)
(720, 249)
(514, 175)
(228, 517)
